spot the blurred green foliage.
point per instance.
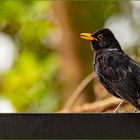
(31, 84)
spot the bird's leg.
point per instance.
(116, 109)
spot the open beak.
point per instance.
(87, 36)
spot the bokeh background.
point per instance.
(43, 59)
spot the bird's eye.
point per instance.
(100, 36)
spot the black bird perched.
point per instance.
(117, 72)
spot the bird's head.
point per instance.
(101, 39)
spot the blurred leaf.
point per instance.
(31, 80)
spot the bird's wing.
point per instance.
(135, 68)
(118, 74)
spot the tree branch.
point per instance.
(79, 90)
(98, 106)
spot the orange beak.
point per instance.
(87, 36)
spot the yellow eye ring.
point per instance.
(100, 36)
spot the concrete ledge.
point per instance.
(58, 126)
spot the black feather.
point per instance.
(117, 72)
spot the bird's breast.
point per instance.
(98, 70)
(99, 64)
(100, 67)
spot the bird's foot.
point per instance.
(115, 111)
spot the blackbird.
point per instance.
(116, 71)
